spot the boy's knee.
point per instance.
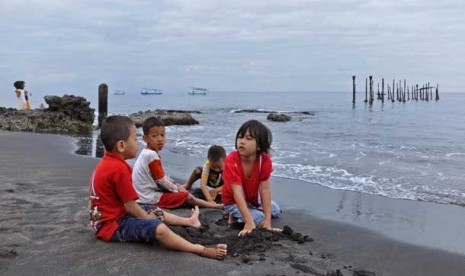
(161, 231)
(258, 217)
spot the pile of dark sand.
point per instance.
(289, 248)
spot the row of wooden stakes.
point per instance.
(397, 92)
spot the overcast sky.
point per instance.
(59, 46)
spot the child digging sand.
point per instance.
(211, 181)
(154, 187)
(246, 191)
(114, 214)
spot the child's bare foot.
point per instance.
(194, 218)
(218, 252)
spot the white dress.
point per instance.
(21, 100)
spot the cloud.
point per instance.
(230, 45)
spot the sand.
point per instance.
(44, 230)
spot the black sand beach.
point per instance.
(44, 228)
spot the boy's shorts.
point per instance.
(172, 200)
(132, 229)
(255, 212)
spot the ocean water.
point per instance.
(412, 150)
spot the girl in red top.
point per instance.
(246, 193)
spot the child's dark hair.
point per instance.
(215, 153)
(260, 132)
(114, 129)
(151, 122)
(19, 84)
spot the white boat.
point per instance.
(119, 92)
(198, 91)
(150, 91)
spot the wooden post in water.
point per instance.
(353, 86)
(437, 92)
(388, 92)
(423, 93)
(430, 91)
(366, 90)
(382, 90)
(405, 89)
(400, 90)
(427, 91)
(371, 89)
(102, 103)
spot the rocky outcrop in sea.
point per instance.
(168, 117)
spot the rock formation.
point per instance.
(168, 117)
(278, 117)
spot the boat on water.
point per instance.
(198, 91)
(151, 91)
(119, 92)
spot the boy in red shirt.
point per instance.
(246, 193)
(114, 213)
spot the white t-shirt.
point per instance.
(149, 178)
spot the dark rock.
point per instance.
(362, 272)
(8, 253)
(278, 117)
(287, 230)
(306, 113)
(75, 107)
(297, 237)
(251, 111)
(168, 117)
(246, 259)
(10, 191)
(307, 238)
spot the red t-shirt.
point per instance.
(233, 174)
(110, 187)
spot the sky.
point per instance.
(62, 46)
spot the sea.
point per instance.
(413, 150)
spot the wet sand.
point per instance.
(44, 230)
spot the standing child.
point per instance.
(150, 181)
(246, 191)
(209, 174)
(19, 85)
(114, 214)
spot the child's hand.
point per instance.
(267, 225)
(247, 229)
